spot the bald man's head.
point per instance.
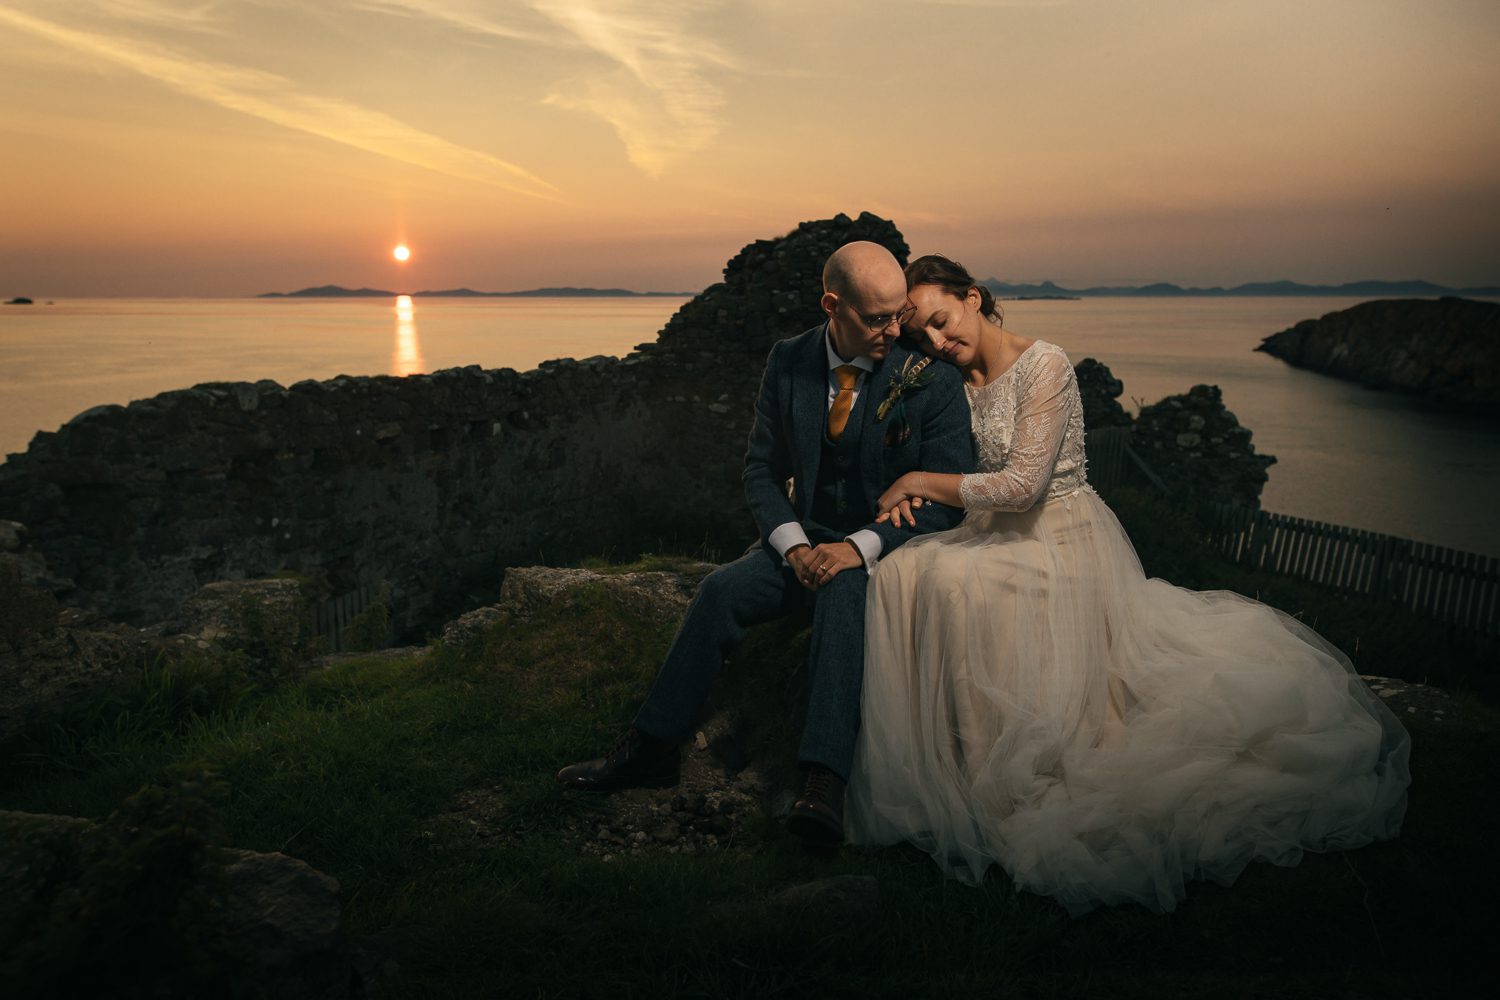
(862, 282)
(858, 265)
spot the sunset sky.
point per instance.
(229, 147)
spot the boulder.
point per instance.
(56, 658)
(263, 620)
(237, 923)
(80, 657)
(656, 596)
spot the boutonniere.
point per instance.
(911, 378)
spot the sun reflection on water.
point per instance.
(407, 358)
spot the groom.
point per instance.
(815, 425)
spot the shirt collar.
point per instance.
(864, 364)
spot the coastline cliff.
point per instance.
(1445, 349)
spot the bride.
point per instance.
(1032, 700)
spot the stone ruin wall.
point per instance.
(429, 484)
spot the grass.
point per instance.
(352, 770)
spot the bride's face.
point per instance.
(945, 326)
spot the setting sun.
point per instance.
(402, 253)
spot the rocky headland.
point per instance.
(1447, 350)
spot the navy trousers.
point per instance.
(750, 591)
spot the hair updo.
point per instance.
(953, 278)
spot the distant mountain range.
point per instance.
(1363, 289)
(339, 292)
(1001, 289)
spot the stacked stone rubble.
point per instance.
(1198, 448)
(1100, 391)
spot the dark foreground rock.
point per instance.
(119, 909)
(1447, 350)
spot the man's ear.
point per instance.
(829, 302)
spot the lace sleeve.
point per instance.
(1041, 420)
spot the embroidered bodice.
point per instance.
(1028, 426)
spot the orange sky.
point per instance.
(194, 147)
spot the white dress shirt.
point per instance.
(789, 535)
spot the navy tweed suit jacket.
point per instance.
(786, 439)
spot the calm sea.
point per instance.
(1348, 455)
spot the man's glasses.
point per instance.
(880, 322)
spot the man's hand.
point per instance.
(800, 559)
(828, 560)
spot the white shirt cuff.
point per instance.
(788, 536)
(869, 546)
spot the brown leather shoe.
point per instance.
(818, 816)
(639, 760)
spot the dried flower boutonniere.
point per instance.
(910, 378)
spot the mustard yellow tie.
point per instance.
(838, 413)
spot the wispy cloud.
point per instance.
(277, 99)
(665, 64)
(655, 87)
(997, 3)
(482, 19)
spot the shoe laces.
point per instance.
(819, 784)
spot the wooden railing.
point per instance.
(1448, 585)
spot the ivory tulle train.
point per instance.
(1032, 700)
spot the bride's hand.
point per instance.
(902, 511)
(898, 503)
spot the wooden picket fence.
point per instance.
(1460, 588)
(1448, 585)
(1112, 462)
(331, 617)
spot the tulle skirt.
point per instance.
(1032, 700)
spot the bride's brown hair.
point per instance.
(953, 278)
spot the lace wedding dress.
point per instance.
(1032, 700)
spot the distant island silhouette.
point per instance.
(1371, 289)
(564, 292)
(1001, 289)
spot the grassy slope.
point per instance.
(353, 769)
